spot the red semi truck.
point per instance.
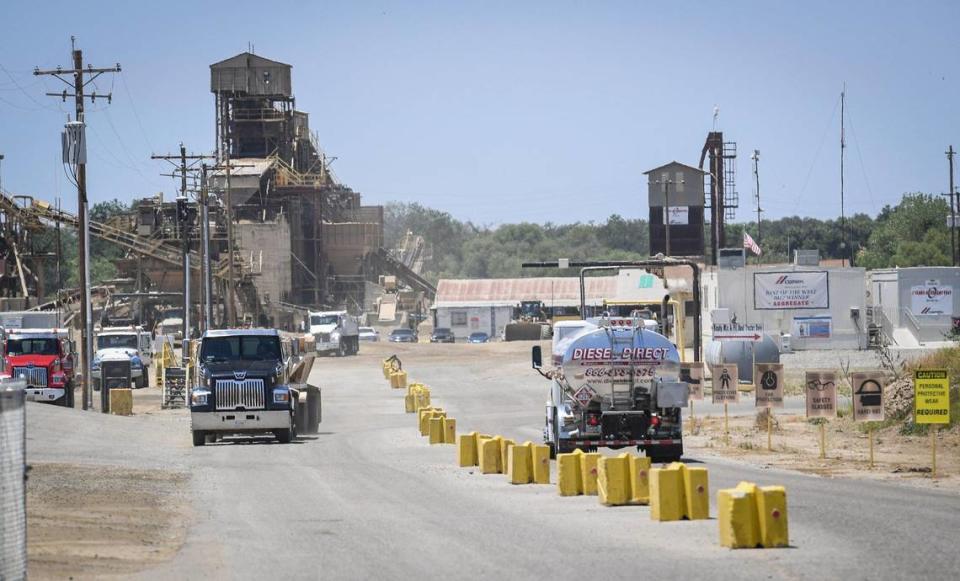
(45, 359)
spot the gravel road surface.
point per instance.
(369, 498)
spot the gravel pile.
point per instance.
(898, 398)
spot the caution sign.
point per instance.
(820, 388)
(868, 396)
(931, 401)
(725, 383)
(769, 389)
(692, 373)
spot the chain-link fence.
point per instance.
(13, 497)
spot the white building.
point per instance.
(915, 306)
(811, 307)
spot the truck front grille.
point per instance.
(35, 376)
(323, 337)
(247, 394)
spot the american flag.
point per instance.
(750, 245)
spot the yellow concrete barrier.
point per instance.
(666, 494)
(490, 456)
(639, 480)
(426, 417)
(449, 431)
(121, 402)
(467, 450)
(541, 464)
(569, 479)
(435, 432)
(409, 403)
(613, 480)
(520, 464)
(505, 445)
(398, 379)
(588, 472)
(737, 508)
(772, 512)
(696, 492)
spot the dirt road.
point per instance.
(368, 498)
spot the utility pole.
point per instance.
(183, 217)
(843, 217)
(207, 298)
(78, 84)
(666, 209)
(756, 174)
(953, 211)
(231, 313)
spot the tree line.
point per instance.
(912, 233)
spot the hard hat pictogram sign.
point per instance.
(867, 396)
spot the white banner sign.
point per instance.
(931, 299)
(678, 215)
(791, 290)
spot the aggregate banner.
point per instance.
(791, 290)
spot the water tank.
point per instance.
(741, 353)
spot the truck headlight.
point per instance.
(335, 336)
(281, 396)
(199, 397)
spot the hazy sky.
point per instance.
(508, 111)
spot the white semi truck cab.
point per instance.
(614, 386)
(335, 332)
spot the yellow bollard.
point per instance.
(737, 508)
(398, 380)
(505, 445)
(588, 472)
(569, 479)
(613, 480)
(772, 512)
(409, 403)
(449, 431)
(666, 494)
(519, 464)
(541, 464)
(467, 449)
(121, 402)
(696, 493)
(436, 430)
(639, 480)
(490, 456)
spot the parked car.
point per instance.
(369, 334)
(403, 336)
(478, 337)
(443, 335)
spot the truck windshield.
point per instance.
(117, 341)
(32, 347)
(247, 348)
(324, 319)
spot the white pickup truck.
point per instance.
(336, 332)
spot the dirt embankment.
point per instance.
(88, 521)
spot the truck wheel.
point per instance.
(138, 382)
(284, 436)
(68, 395)
(199, 438)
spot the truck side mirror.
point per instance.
(537, 356)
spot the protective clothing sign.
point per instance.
(931, 402)
(725, 384)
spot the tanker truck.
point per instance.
(614, 386)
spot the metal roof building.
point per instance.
(508, 292)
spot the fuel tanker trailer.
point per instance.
(614, 386)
